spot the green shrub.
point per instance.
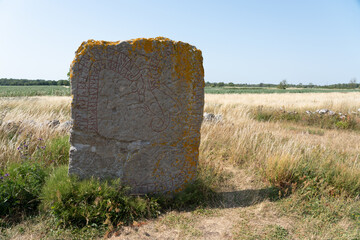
(55, 151)
(290, 116)
(93, 202)
(318, 170)
(342, 125)
(20, 187)
(318, 120)
(264, 116)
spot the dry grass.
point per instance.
(282, 154)
(38, 109)
(308, 101)
(237, 140)
(24, 120)
(320, 169)
(235, 109)
(278, 153)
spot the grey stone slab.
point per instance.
(137, 110)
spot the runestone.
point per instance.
(137, 110)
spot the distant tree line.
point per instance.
(26, 82)
(283, 85)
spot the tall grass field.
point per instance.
(271, 167)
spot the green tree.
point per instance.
(282, 84)
(353, 83)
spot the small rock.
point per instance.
(218, 118)
(29, 122)
(308, 112)
(53, 123)
(26, 124)
(331, 113)
(210, 117)
(323, 111)
(292, 113)
(11, 125)
(66, 126)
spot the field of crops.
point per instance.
(241, 90)
(27, 91)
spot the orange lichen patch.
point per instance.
(143, 43)
(187, 60)
(89, 44)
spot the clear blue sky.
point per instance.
(243, 41)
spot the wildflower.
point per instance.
(6, 175)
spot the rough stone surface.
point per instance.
(137, 110)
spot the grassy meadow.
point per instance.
(267, 170)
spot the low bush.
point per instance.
(20, 187)
(93, 202)
(318, 170)
(351, 122)
(54, 152)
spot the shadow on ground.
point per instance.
(248, 197)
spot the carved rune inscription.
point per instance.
(134, 116)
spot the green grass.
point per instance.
(242, 90)
(92, 202)
(28, 91)
(20, 186)
(54, 152)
